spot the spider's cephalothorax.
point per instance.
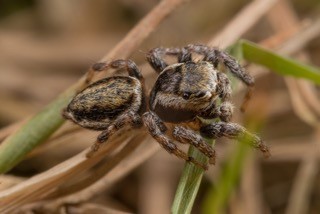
(110, 103)
(187, 90)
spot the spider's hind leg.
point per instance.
(130, 118)
(118, 64)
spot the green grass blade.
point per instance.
(32, 133)
(189, 183)
(277, 63)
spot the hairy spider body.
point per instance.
(103, 101)
(183, 90)
(111, 103)
(187, 91)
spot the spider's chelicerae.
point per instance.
(183, 94)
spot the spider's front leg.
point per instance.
(188, 136)
(216, 56)
(157, 130)
(130, 118)
(234, 131)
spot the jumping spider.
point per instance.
(183, 94)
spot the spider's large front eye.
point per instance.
(186, 95)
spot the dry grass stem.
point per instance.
(34, 188)
(104, 169)
(94, 183)
(142, 30)
(240, 24)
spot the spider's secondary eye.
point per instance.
(186, 95)
(200, 94)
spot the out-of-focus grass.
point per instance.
(191, 176)
(33, 133)
(189, 182)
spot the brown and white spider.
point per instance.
(110, 103)
(183, 93)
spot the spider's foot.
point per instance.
(266, 152)
(212, 160)
(197, 163)
(94, 148)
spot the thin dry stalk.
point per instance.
(243, 21)
(42, 184)
(9, 181)
(116, 173)
(104, 169)
(143, 29)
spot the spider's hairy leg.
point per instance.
(127, 118)
(152, 122)
(128, 65)
(225, 108)
(188, 136)
(234, 131)
(216, 56)
(155, 57)
(237, 70)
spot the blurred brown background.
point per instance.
(45, 46)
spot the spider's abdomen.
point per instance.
(104, 100)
